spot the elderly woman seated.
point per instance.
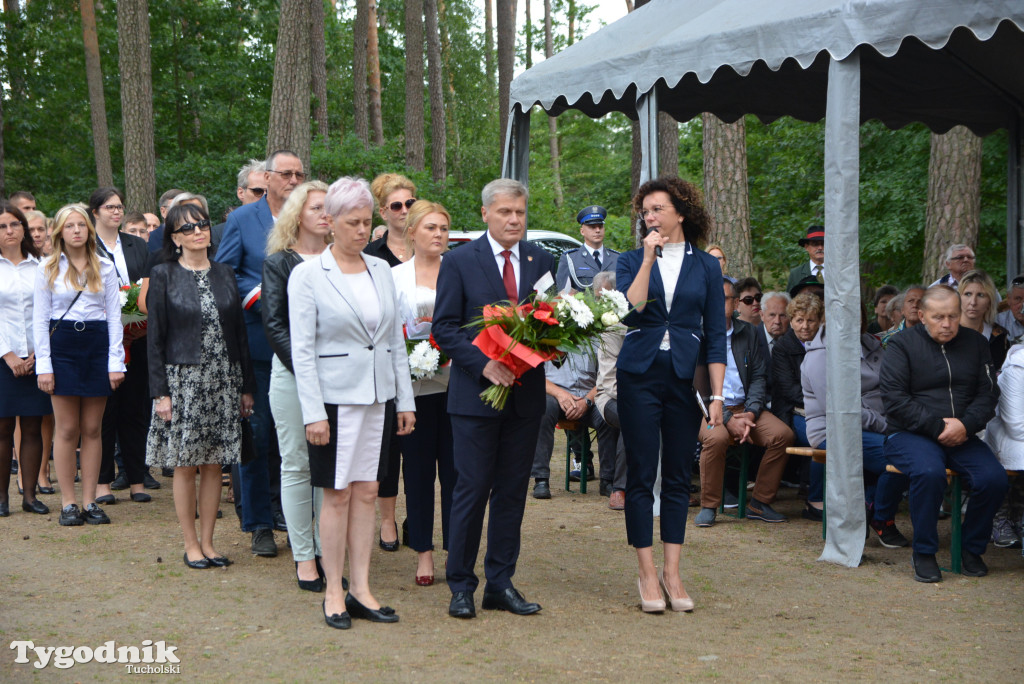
(1005, 434)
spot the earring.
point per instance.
(177, 251)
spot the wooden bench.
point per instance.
(818, 456)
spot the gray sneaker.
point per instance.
(1003, 534)
(762, 511)
(706, 517)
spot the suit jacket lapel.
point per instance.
(488, 266)
(264, 215)
(689, 263)
(334, 277)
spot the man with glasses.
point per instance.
(577, 267)
(243, 247)
(814, 244)
(958, 260)
(251, 188)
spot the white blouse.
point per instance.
(16, 285)
(670, 264)
(50, 304)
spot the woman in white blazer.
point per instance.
(1005, 434)
(427, 454)
(352, 375)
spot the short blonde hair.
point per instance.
(806, 304)
(286, 229)
(386, 183)
(417, 212)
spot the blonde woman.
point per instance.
(77, 331)
(978, 301)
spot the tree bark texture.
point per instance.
(725, 190)
(318, 66)
(668, 145)
(506, 20)
(556, 163)
(489, 42)
(289, 126)
(415, 137)
(136, 104)
(373, 73)
(360, 101)
(953, 213)
(528, 34)
(438, 123)
(451, 111)
(97, 103)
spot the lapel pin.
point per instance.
(529, 258)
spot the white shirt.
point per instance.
(670, 264)
(500, 260)
(771, 341)
(817, 268)
(600, 251)
(50, 304)
(16, 286)
(118, 254)
(732, 388)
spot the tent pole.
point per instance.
(516, 163)
(844, 468)
(1015, 200)
(647, 113)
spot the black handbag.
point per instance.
(248, 443)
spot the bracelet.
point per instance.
(159, 399)
(716, 397)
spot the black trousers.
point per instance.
(427, 457)
(126, 419)
(492, 465)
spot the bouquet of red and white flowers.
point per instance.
(544, 328)
(425, 358)
(133, 320)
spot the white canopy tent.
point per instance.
(939, 62)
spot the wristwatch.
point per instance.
(717, 397)
(590, 403)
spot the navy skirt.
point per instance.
(21, 396)
(78, 352)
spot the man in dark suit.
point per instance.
(814, 267)
(243, 247)
(493, 449)
(577, 267)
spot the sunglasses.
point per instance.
(257, 192)
(191, 228)
(397, 206)
(287, 175)
(750, 299)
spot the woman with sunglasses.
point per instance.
(395, 194)
(748, 301)
(200, 375)
(76, 321)
(126, 417)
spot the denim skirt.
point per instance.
(21, 396)
(78, 352)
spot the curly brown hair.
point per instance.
(687, 200)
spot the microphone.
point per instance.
(657, 250)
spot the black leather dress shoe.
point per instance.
(94, 515)
(461, 605)
(36, 506)
(149, 482)
(120, 482)
(337, 620)
(45, 489)
(541, 490)
(511, 600)
(358, 610)
(201, 564)
(391, 545)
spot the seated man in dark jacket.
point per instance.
(746, 420)
(939, 389)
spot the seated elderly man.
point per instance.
(1011, 320)
(958, 260)
(939, 389)
(746, 420)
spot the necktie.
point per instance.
(597, 257)
(508, 275)
(818, 275)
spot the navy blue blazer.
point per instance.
(243, 247)
(469, 280)
(696, 324)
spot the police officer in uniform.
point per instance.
(577, 267)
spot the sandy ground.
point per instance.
(766, 610)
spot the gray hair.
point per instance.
(503, 186)
(895, 304)
(269, 163)
(604, 280)
(253, 165)
(768, 296)
(953, 249)
(185, 197)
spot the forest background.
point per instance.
(416, 87)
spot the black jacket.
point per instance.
(175, 322)
(787, 391)
(276, 269)
(751, 366)
(136, 255)
(923, 382)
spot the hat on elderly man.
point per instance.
(813, 233)
(592, 215)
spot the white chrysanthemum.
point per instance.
(581, 313)
(124, 297)
(617, 300)
(608, 319)
(424, 360)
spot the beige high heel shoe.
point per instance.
(682, 605)
(655, 606)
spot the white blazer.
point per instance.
(1005, 433)
(336, 359)
(405, 285)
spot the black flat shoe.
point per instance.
(392, 545)
(36, 506)
(106, 500)
(218, 561)
(358, 610)
(141, 497)
(149, 482)
(45, 490)
(202, 564)
(120, 482)
(94, 515)
(338, 620)
(315, 586)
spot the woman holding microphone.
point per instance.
(678, 323)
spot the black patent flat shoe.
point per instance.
(358, 610)
(106, 500)
(337, 620)
(201, 564)
(36, 506)
(391, 545)
(45, 490)
(218, 561)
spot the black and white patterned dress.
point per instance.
(205, 422)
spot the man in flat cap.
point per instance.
(577, 267)
(814, 243)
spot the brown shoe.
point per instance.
(617, 501)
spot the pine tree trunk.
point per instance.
(415, 143)
(97, 103)
(489, 42)
(373, 72)
(571, 16)
(136, 104)
(556, 162)
(360, 102)
(506, 20)
(725, 190)
(438, 132)
(668, 145)
(528, 31)
(289, 126)
(954, 197)
(451, 112)
(318, 66)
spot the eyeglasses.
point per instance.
(13, 225)
(191, 228)
(397, 206)
(657, 209)
(288, 175)
(258, 192)
(963, 257)
(750, 299)
(113, 208)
